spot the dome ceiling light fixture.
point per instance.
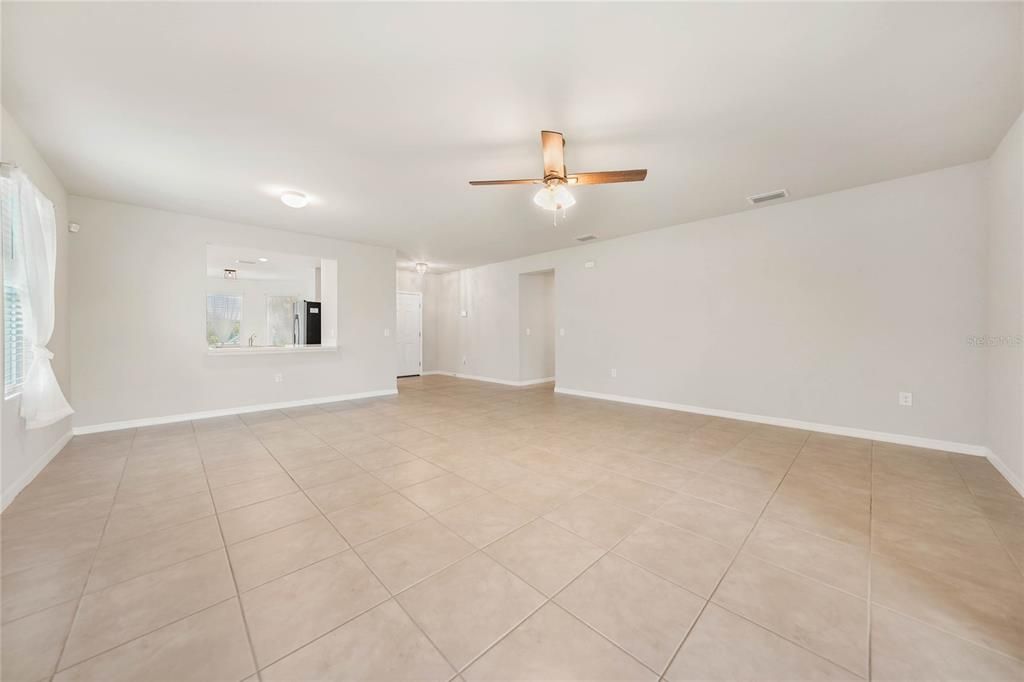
(294, 199)
(422, 268)
(555, 195)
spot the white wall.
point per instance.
(1006, 304)
(537, 314)
(818, 310)
(138, 319)
(24, 453)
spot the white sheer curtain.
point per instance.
(42, 402)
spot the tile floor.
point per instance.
(472, 531)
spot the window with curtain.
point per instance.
(223, 319)
(15, 289)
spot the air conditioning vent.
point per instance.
(586, 237)
(768, 196)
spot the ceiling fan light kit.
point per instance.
(555, 196)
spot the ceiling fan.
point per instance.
(555, 195)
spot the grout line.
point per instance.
(231, 568)
(871, 537)
(92, 564)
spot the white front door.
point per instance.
(410, 332)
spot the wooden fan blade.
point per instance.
(506, 182)
(605, 177)
(554, 153)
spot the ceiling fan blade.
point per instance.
(606, 177)
(506, 182)
(554, 153)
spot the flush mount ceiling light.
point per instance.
(294, 199)
(421, 268)
(555, 196)
(262, 259)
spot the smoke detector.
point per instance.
(768, 196)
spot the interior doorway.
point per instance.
(409, 333)
(537, 326)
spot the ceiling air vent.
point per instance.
(586, 237)
(768, 196)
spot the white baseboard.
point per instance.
(1001, 467)
(170, 419)
(898, 439)
(492, 380)
(11, 491)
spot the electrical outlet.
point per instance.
(615, 373)
(589, 265)
(906, 399)
(387, 332)
(561, 332)
(463, 313)
(278, 378)
(527, 331)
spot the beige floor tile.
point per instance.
(904, 649)
(373, 518)
(992, 617)
(209, 645)
(540, 494)
(712, 520)
(251, 492)
(544, 555)
(469, 606)
(410, 554)
(724, 647)
(19, 524)
(58, 544)
(642, 613)
(493, 473)
(552, 645)
(252, 469)
(271, 555)
(41, 587)
(380, 458)
(131, 558)
(347, 492)
(599, 521)
(443, 492)
(162, 490)
(32, 645)
(255, 519)
(688, 560)
(307, 458)
(291, 611)
(632, 494)
(484, 519)
(834, 563)
(729, 493)
(839, 513)
(409, 473)
(830, 623)
(130, 521)
(325, 472)
(380, 645)
(127, 610)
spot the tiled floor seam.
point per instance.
(92, 564)
(721, 579)
(871, 538)
(234, 579)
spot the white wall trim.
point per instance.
(534, 382)
(153, 421)
(11, 491)
(1001, 467)
(491, 380)
(899, 439)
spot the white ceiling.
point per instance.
(277, 266)
(383, 112)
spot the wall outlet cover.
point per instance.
(906, 399)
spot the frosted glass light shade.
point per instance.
(553, 198)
